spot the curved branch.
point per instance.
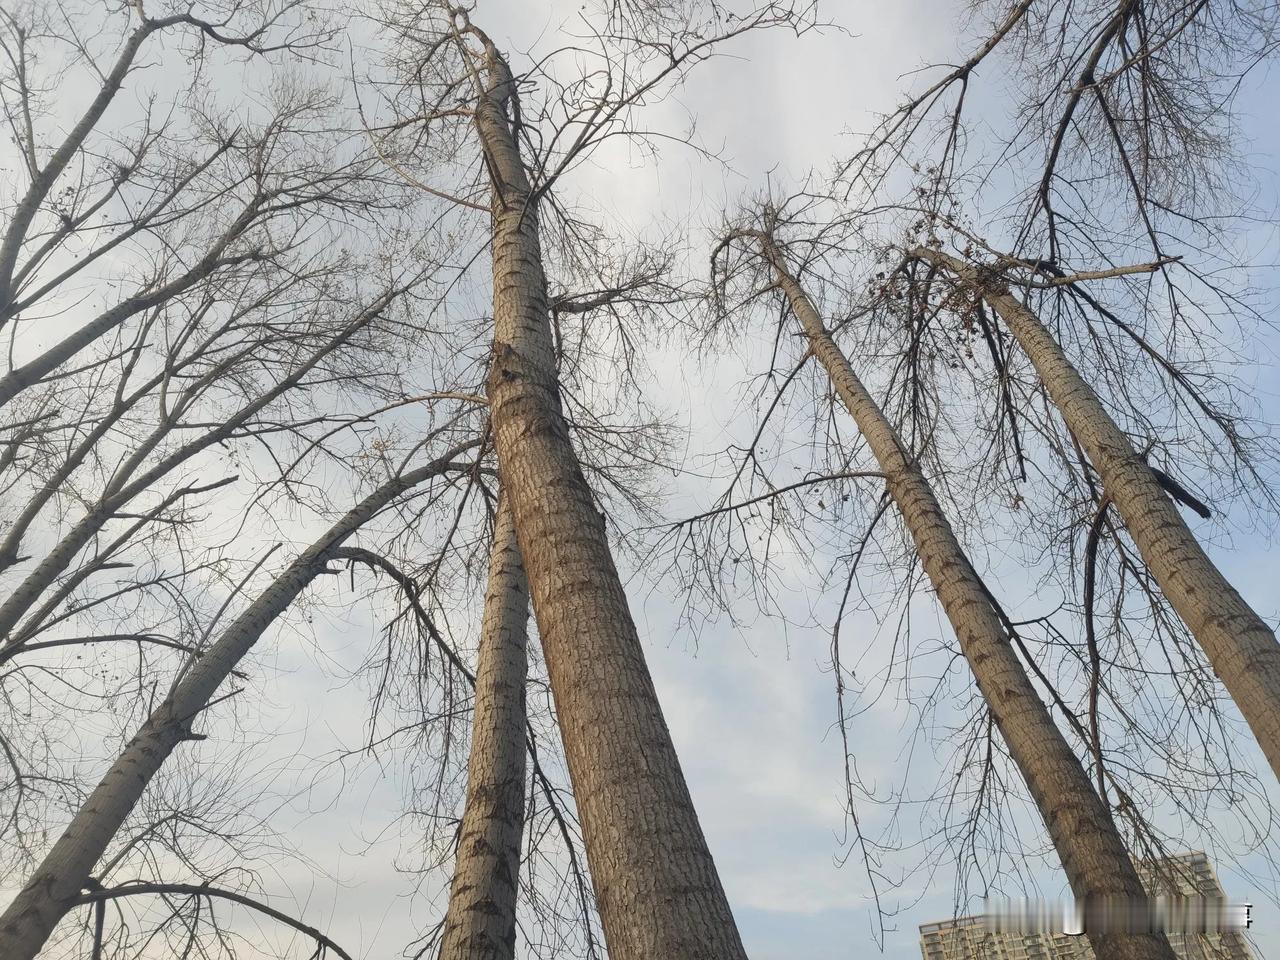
(204, 890)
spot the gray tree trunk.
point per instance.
(1093, 854)
(656, 886)
(480, 923)
(1240, 646)
(62, 874)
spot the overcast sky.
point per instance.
(751, 708)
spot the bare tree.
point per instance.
(641, 834)
(257, 364)
(96, 195)
(1124, 141)
(627, 779)
(1242, 648)
(67, 868)
(255, 340)
(1118, 148)
(1092, 851)
(242, 341)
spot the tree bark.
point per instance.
(656, 885)
(1093, 854)
(62, 874)
(1240, 646)
(480, 923)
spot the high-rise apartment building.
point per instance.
(1185, 875)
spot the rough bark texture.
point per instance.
(1240, 646)
(1093, 854)
(656, 886)
(480, 923)
(58, 881)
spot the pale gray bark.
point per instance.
(480, 923)
(61, 876)
(1240, 646)
(656, 885)
(1093, 854)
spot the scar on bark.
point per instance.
(505, 361)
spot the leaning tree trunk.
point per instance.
(1240, 646)
(480, 923)
(656, 885)
(1093, 854)
(66, 868)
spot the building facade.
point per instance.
(1185, 875)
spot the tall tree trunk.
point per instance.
(480, 923)
(65, 869)
(1092, 851)
(656, 886)
(1239, 644)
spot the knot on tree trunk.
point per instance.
(508, 366)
